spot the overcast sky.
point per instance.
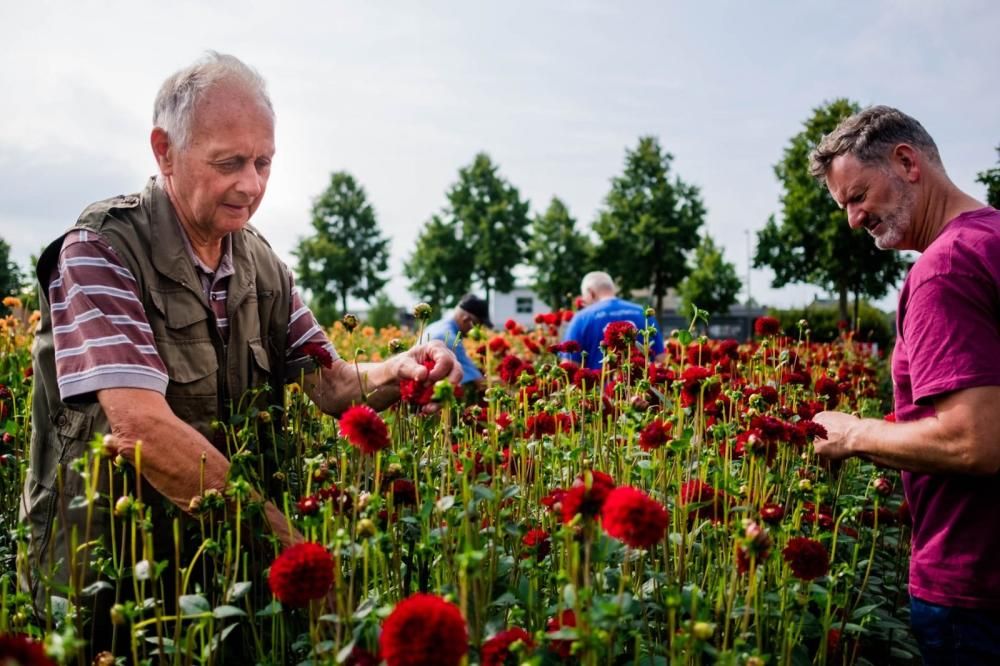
(403, 94)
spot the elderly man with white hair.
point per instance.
(602, 307)
(163, 314)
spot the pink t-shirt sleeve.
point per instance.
(954, 342)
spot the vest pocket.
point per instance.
(193, 390)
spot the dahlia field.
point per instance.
(643, 513)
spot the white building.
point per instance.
(521, 305)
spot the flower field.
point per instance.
(668, 513)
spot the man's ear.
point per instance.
(909, 161)
(163, 151)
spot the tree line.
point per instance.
(648, 234)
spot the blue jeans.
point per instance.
(953, 636)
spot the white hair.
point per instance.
(179, 95)
(599, 281)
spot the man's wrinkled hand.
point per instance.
(445, 365)
(836, 444)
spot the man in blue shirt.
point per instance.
(601, 307)
(470, 311)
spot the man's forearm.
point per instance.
(923, 446)
(171, 456)
(337, 388)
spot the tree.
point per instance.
(493, 220)
(559, 254)
(383, 312)
(991, 179)
(712, 284)
(649, 223)
(10, 274)
(813, 243)
(347, 254)
(440, 267)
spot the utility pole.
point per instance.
(749, 264)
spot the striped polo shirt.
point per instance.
(100, 331)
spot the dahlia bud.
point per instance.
(396, 345)
(321, 473)
(805, 484)
(123, 506)
(755, 661)
(444, 391)
(264, 416)
(422, 311)
(118, 614)
(194, 506)
(650, 312)
(392, 471)
(350, 322)
(365, 528)
(119, 461)
(703, 630)
(883, 486)
(104, 659)
(8, 439)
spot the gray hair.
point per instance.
(869, 135)
(179, 95)
(598, 281)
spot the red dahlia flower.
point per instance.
(424, 630)
(364, 428)
(562, 647)
(587, 498)
(417, 392)
(536, 541)
(764, 326)
(655, 434)
(18, 649)
(319, 353)
(300, 573)
(696, 491)
(772, 513)
(619, 335)
(629, 515)
(496, 650)
(694, 378)
(807, 558)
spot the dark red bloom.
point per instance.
(538, 425)
(619, 335)
(417, 393)
(498, 345)
(530, 344)
(655, 434)
(496, 650)
(631, 516)
(772, 513)
(308, 505)
(536, 541)
(319, 353)
(764, 326)
(20, 650)
(587, 496)
(404, 492)
(698, 492)
(513, 327)
(511, 367)
(300, 573)
(829, 389)
(562, 647)
(586, 378)
(424, 630)
(694, 378)
(553, 501)
(807, 558)
(810, 429)
(364, 428)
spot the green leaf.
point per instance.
(193, 604)
(238, 590)
(228, 611)
(273, 608)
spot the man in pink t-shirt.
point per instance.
(884, 168)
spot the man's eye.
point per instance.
(228, 165)
(263, 165)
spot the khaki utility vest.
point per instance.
(209, 377)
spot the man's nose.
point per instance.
(251, 181)
(855, 216)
